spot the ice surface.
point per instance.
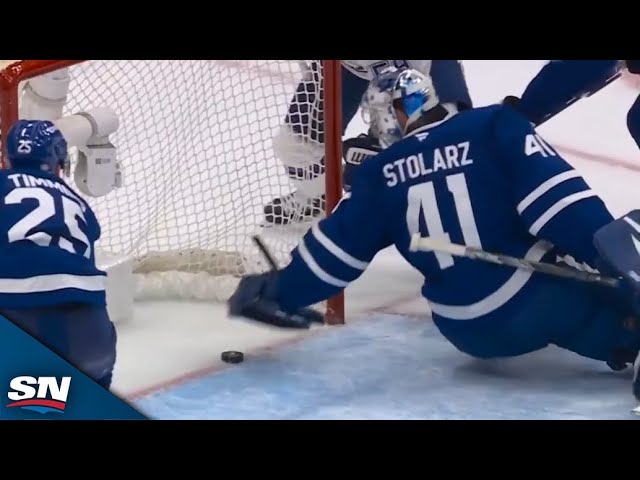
(394, 367)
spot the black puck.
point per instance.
(232, 357)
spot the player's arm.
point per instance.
(562, 82)
(332, 254)
(337, 250)
(93, 225)
(551, 197)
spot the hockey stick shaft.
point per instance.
(265, 252)
(427, 244)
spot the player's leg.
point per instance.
(450, 82)
(618, 247)
(299, 145)
(560, 83)
(583, 318)
(519, 327)
(603, 328)
(81, 334)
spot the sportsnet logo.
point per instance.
(50, 395)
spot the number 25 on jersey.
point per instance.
(46, 209)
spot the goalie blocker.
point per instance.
(618, 245)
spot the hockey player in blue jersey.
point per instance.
(49, 283)
(560, 83)
(299, 143)
(484, 178)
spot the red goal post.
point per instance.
(15, 73)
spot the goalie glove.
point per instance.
(254, 299)
(356, 151)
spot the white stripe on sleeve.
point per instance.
(338, 252)
(545, 187)
(317, 269)
(557, 208)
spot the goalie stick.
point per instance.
(428, 244)
(265, 252)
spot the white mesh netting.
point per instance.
(195, 144)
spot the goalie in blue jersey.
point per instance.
(50, 285)
(484, 178)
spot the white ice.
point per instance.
(168, 343)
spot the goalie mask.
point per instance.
(408, 91)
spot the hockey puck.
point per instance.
(232, 357)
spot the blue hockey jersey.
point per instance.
(483, 178)
(47, 237)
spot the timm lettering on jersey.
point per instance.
(23, 180)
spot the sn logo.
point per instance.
(50, 395)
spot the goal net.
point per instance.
(195, 146)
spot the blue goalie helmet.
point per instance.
(36, 144)
(407, 90)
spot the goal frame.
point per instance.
(13, 74)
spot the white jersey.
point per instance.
(368, 69)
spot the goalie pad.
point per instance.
(299, 153)
(618, 245)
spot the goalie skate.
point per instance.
(293, 208)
